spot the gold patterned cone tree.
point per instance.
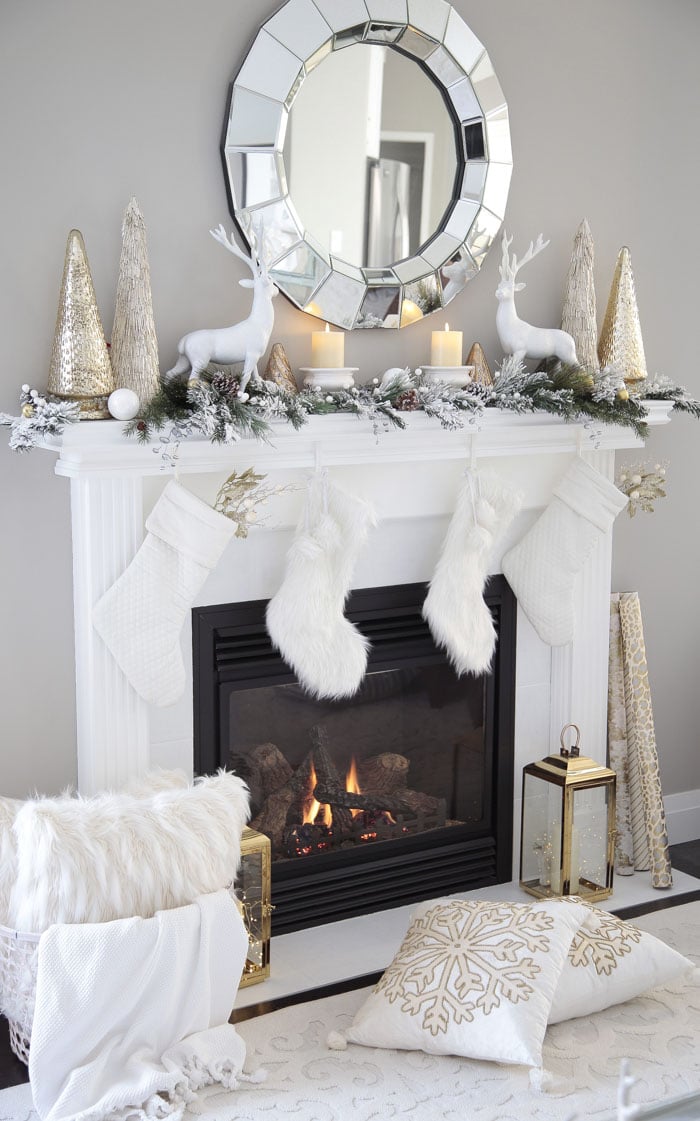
(80, 368)
(134, 342)
(476, 358)
(578, 316)
(621, 343)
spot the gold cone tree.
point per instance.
(476, 358)
(579, 313)
(134, 342)
(80, 368)
(621, 343)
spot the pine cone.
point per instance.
(407, 402)
(225, 383)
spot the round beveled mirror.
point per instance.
(367, 141)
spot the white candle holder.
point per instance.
(456, 376)
(329, 379)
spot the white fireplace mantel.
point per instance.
(100, 447)
(119, 735)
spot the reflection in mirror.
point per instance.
(370, 155)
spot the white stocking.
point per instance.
(305, 618)
(542, 568)
(141, 616)
(454, 607)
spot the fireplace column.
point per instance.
(112, 720)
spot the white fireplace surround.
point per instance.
(411, 477)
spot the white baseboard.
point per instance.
(683, 816)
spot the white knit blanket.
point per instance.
(132, 1016)
(659, 1032)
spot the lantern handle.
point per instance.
(575, 749)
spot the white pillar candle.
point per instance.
(446, 348)
(328, 349)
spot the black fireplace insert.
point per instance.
(400, 793)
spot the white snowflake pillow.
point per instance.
(610, 961)
(471, 978)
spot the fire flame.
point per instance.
(311, 804)
(351, 783)
(320, 813)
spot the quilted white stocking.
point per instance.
(305, 618)
(454, 607)
(141, 616)
(541, 569)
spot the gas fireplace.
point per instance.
(402, 792)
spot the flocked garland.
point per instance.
(213, 409)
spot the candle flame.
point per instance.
(447, 326)
(328, 327)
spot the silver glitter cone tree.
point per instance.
(134, 342)
(579, 313)
(80, 369)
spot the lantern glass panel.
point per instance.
(589, 843)
(542, 833)
(253, 894)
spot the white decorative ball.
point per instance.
(123, 404)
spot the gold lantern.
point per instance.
(567, 837)
(253, 896)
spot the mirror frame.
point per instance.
(288, 46)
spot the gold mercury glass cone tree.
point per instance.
(80, 368)
(477, 359)
(621, 343)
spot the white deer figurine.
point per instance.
(517, 337)
(244, 342)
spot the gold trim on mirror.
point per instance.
(297, 40)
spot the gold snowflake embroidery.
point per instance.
(601, 941)
(461, 957)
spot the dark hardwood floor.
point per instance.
(686, 858)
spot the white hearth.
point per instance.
(412, 479)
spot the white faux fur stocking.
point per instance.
(141, 616)
(542, 568)
(305, 618)
(454, 607)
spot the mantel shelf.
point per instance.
(100, 447)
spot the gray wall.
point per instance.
(104, 99)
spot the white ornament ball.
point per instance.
(123, 404)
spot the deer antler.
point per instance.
(504, 267)
(220, 235)
(533, 250)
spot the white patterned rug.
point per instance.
(659, 1033)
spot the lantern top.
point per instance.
(569, 766)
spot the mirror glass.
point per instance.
(368, 142)
(370, 155)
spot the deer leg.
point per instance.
(196, 372)
(250, 369)
(181, 367)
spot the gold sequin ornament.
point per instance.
(620, 342)
(80, 368)
(27, 411)
(476, 358)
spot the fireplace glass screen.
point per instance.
(399, 793)
(404, 755)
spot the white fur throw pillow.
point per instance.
(94, 860)
(9, 808)
(140, 787)
(610, 961)
(470, 978)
